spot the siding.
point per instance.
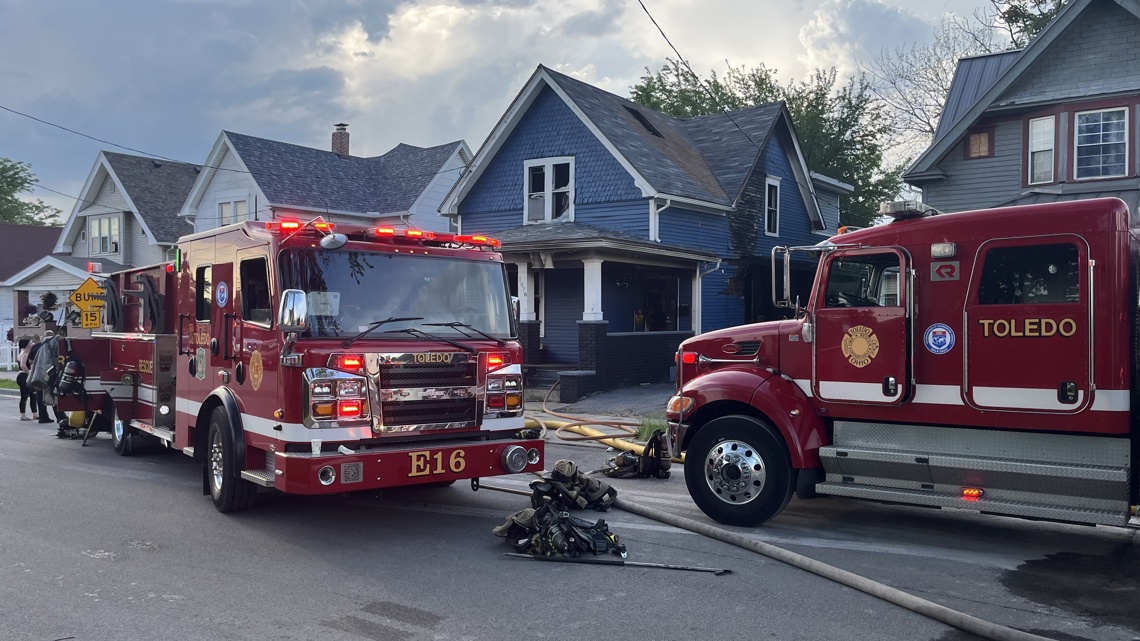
(564, 302)
(226, 182)
(688, 228)
(105, 202)
(631, 217)
(828, 208)
(720, 310)
(795, 226)
(981, 182)
(425, 213)
(1097, 54)
(53, 279)
(549, 128)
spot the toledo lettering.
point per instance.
(1027, 327)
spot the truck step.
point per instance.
(949, 500)
(264, 478)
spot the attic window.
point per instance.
(640, 117)
(548, 189)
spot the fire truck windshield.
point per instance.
(349, 290)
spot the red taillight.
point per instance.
(170, 268)
(496, 402)
(688, 358)
(349, 409)
(972, 493)
(348, 362)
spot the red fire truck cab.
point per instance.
(983, 360)
(314, 358)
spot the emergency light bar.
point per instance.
(287, 225)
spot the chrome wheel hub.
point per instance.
(118, 427)
(735, 472)
(216, 462)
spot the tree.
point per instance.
(912, 82)
(1024, 19)
(17, 178)
(842, 130)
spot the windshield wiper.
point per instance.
(419, 333)
(374, 324)
(457, 325)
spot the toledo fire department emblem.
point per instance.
(860, 345)
(256, 369)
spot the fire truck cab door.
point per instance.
(1027, 320)
(861, 347)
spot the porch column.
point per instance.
(526, 291)
(592, 286)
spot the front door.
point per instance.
(1029, 305)
(861, 325)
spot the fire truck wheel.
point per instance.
(230, 494)
(121, 436)
(737, 470)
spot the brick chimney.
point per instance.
(340, 139)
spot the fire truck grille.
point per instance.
(427, 375)
(423, 376)
(429, 411)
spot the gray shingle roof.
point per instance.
(27, 244)
(567, 233)
(157, 188)
(972, 79)
(81, 262)
(292, 175)
(706, 158)
(1131, 197)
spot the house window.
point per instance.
(980, 144)
(103, 234)
(232, 212)
(1041, 144)
(1101, 144)
(772, 207)
(549, 189)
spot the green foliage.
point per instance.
(16, 178)
(49, 300)
(842, 129)
(1024, 19)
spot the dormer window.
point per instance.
(103, 234)
(549, 189)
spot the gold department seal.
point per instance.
(256, 369)
(860, 345)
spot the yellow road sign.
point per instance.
(86, 296)
(91, 320)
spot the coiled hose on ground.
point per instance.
(940, 613)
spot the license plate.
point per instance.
(431, 462)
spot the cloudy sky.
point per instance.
(166, 76)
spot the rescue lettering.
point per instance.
(1027, 327)
(146, 366)
(432, 357)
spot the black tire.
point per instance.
(229, 493)
(738, 471)
(122, 436)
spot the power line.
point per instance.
(700, 82)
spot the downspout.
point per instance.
(656, 236)
(698, 299)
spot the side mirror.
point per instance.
(294, 312)
(516, 307)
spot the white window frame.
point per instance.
(95, 236)
(772, 181)
(231, 198)
(1052, 149)
(1076, 146)
(548, 172)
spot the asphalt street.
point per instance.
(97, 546)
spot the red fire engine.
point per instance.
(314, 359)
(983, 360)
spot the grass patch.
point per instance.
(7, 383)
(646, 427)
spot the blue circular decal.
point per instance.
(222, 294)
(939, 338)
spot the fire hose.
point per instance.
(940, 613)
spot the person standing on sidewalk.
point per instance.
(26, 395)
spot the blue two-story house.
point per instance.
(627, 231)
